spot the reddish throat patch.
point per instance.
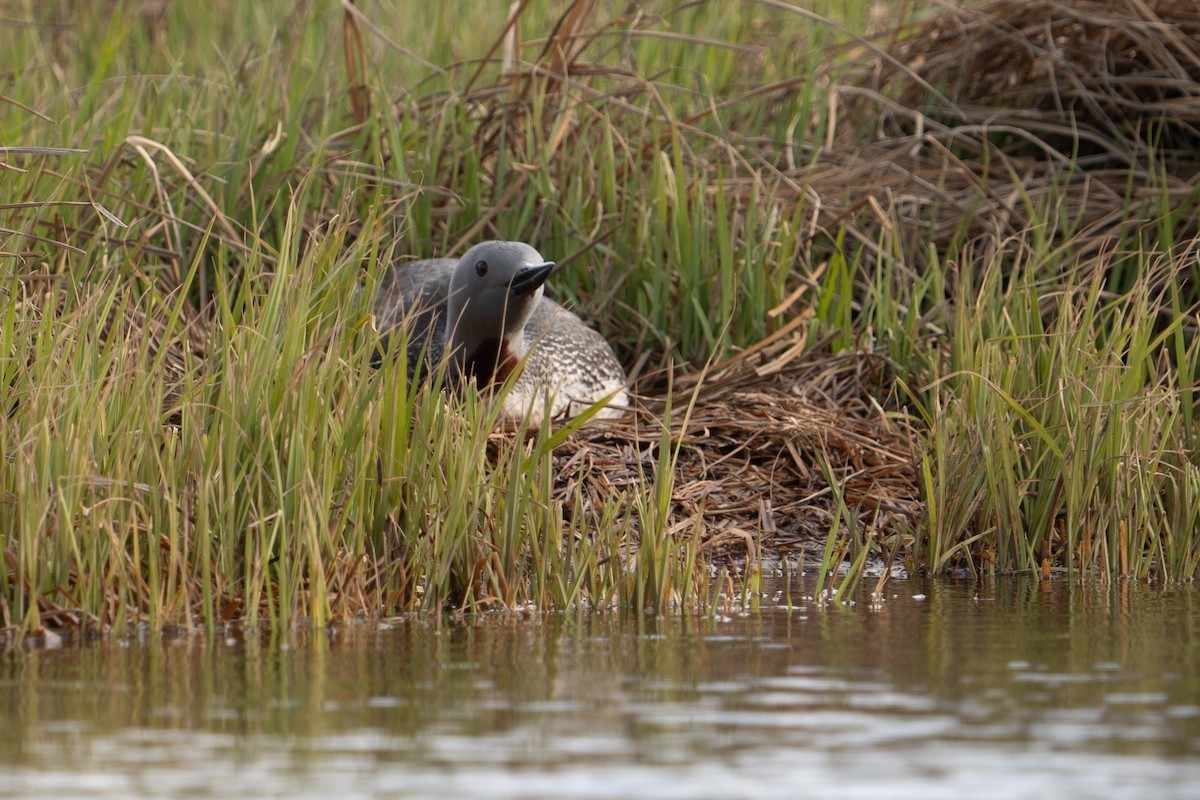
(491, 363)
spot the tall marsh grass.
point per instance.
(1062, 428)
(285, 478)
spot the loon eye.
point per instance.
(481, 268)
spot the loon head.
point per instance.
(493, 291)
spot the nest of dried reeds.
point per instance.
(777, 449)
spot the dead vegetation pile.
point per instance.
(989, 115)
(1110, 81)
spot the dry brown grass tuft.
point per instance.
(1118, 78)
(985, 117)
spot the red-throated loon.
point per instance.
(485, 314)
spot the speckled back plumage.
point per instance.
(566, 359)
(565, 351)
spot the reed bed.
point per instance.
(921, 295)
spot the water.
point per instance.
(1006, 690)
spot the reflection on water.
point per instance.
(1011, 689)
